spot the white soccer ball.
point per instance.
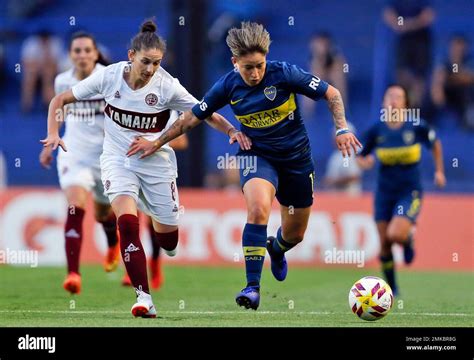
(370, 298)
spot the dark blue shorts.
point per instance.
(294, 184)
(388, 205)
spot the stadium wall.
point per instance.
(211, 223)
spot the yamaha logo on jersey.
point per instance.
(408, 137)
(270, 92)
(107, 184)
(151, 99)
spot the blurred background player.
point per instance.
(453, 82)
(40, 56)
(135, 113)
(79, 168)
(262, 97)
(396, 140)
(326, 60)
(411, 21)
(154, 263)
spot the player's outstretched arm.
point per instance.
(220, 123)
(46, 155)
(344, 138)
(55, 118)
(439, 177)
(185, 122)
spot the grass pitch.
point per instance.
(204, 297)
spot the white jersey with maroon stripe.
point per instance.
(84, 138)
(84, 120)
(143, 112)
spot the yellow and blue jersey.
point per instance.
(399, 153)
(268, 112)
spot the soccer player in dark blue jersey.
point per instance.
(396, 141)
(262, 95)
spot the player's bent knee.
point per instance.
(258, 214)
(396, 236)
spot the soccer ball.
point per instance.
(370, 298)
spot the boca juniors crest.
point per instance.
(408, 137)
(270, 92)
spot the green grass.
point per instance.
(197, 296)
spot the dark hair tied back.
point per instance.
(147, 38)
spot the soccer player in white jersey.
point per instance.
(155, 270)
(139, 96)
(79, 168)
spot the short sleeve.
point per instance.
(426, 134)
(181, 100)
(368, 141)
(302, 82)
(90, 86)
(57, 86)
(214, 99)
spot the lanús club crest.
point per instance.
(151, 99)
(270, 92)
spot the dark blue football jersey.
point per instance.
(399, 153)
(268, 112)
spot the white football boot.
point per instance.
(171, 253)
(144, 306)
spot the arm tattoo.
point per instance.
(179, 127)
(337, 108)
(173, 132)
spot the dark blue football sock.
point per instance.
(281, 246)
(388, 269)
(254, 240)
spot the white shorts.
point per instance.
(83, 173)
(155, 196)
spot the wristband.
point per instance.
(342, 131)
(228, 131)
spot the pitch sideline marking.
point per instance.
(222, 312)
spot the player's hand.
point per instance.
(347, 141)
(141, 144)
(46, 157)
(365, 162)
(440, 179)
(243, 140)
(54, 141)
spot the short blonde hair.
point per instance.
(250, 37)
